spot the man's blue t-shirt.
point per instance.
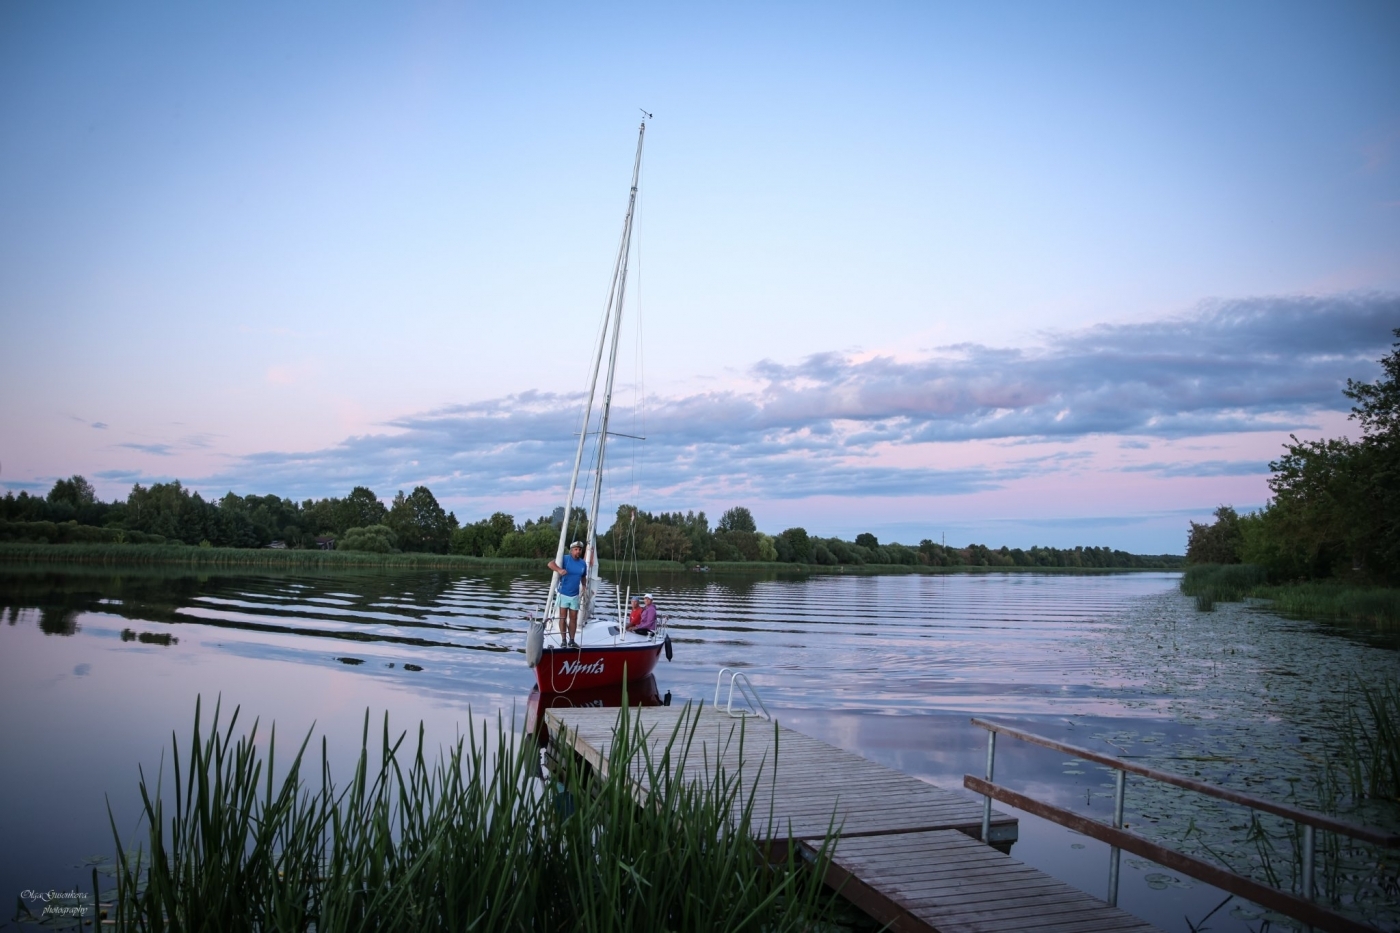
(574, 570)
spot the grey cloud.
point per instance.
(1202, 468)
(813, 427)
(121, 476)
(1244, 366)
(159, 450)
(20, 485)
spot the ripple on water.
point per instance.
(891, 667)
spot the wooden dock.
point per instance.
(908, 852)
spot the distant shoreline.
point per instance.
(19, 555)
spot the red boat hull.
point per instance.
(639, 693)
(564, 670)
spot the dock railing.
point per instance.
(1299, 906)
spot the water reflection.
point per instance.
(890, 667)
(150, 638)
(637, 693)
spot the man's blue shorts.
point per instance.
(568, 602)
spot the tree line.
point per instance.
(170, 512)
(688, 537)
(1335, 509)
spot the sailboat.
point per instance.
(604, 652)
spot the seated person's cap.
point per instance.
(648, 596)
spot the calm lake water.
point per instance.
(99, 668)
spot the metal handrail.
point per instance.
(1301, 907)
(1297, 814)
(747, 691)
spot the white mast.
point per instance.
(612, 318)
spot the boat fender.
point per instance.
(668, 647)
(534, 643)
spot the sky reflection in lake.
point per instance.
(100, 667)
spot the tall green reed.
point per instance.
(1377, 605)
(1358, 778)
(470, 841)
(1328, 600)
(1367, 728)
(1212, 583)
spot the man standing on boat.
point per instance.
(573, 578)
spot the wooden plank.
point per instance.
(862, 796)
(994, 893)
(905, 852)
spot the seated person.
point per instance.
(647, 623)
(634, 618)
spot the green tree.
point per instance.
(669, 542)
(1336, 504)
(74, 500)
(171, 510)
(737, 519)
(483, 538)
(359, 509)
(1316, 507)
(676, 536)
(794, 545)
(235, 528)
(736, 545)
(766, 549)
(419, 523)
(1376, 545)
(75, 491)
(278, 519)
(318, 516)
(1216, 543)
(899, 554)
(535, 539)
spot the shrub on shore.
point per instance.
(378, 539)
(70, 532)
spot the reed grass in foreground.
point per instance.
(1368, 729)
(471, 841)
(1359, 780)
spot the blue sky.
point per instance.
(1011, 273)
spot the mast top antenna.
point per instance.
(646, 115)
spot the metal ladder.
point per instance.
(747, 694)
